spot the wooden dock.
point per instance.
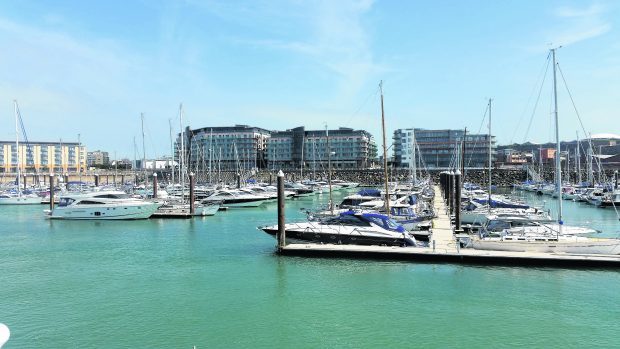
(446, 250)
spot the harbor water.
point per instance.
(215, 282)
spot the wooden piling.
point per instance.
(281, 231)
(238, 180)
(51, 192)
(192, 205)
(457, 200)
(96, 180)
(154, 185)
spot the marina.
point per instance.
(309, 174)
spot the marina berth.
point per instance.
(349, 227)
(104, 205)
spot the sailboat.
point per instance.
(546, 239)
(18, 197)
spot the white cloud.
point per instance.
(579, 24)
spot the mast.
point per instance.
(385, 170)
(568, 163)
(78, 162)
(558, 170)
(210, 156)
(301, 171)
(19, 191)
(171, 151)
(182, 154)
(415, 163)
(146, 181)
(329, 171)
(578, 158)
(490, 157)
(590, 166)
(463, 157)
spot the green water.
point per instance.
(215, 283)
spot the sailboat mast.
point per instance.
(578, 160)
(301, 167)
(558, 170)
(19, 192)
(182, 154)
(329, 171)
(413, 158)
(210, 156)
(385, 169)
(144, 153)
(171, 150)
(463, 157)
(490, 157)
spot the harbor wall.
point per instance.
(367, 177)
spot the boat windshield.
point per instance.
(65, 202)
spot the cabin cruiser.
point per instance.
(19, 198)
(534, 242)
(236, 198)
(351, 228)
(104, 205)
(299, 189)
(171, 209)
(609, 199)
(345, 185)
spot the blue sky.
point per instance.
(91, 67)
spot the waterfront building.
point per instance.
(98, 158)
(236, 147)
(437, 148)
(47, 157)
(350, 149)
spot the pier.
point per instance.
(443, 248)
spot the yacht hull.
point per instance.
(21, 201)
(588, 247)
(104, 212)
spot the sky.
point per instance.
(92, 67)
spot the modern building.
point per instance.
(98, 158)
(31, 157)
(350, 149)
(438, 148)
(227, 148)
(600, 146)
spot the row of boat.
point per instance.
(603, 196)
(83, 201)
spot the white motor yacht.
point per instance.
(235, 198)
(105, 205)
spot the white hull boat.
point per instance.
(102, 206)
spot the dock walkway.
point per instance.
(447, 251)
(442, 233)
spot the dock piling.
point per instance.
(154, 185)
(281, 231)
(238, 180)
(51, 192)
(96, 180)
(192, 205)
(457, 200)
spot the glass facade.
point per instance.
(350, 149)
(438, 148)
(238, 147)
